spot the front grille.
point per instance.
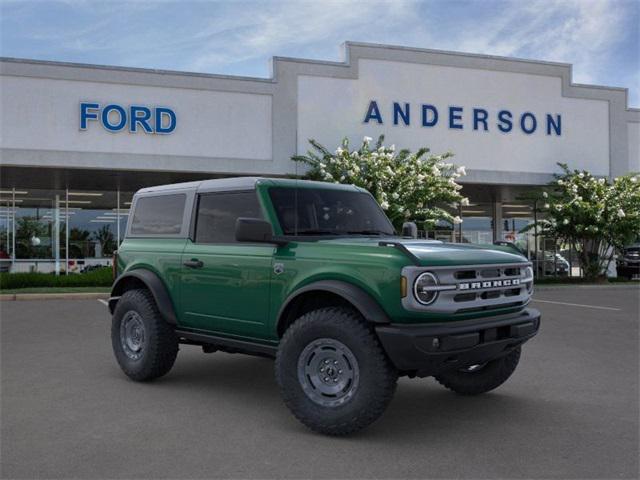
(474, 288)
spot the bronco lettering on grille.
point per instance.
(488, 284)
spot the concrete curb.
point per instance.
(52, 296)
(567, 285)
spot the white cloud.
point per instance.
(581, 32)
(277, 26)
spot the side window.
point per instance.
(218, 212)
(158, 215)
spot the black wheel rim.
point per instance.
(133, 337)
(328, 372)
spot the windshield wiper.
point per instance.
(312, 231)
(368, 232)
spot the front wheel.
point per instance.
(477, 379)
(332, 372)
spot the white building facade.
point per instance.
(78, 140)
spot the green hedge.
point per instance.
(100, 277)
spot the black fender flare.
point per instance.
(369, 308)
(153, 283)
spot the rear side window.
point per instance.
(218, 212)
(158, 215)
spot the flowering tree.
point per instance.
(408, 186)
(593, 215)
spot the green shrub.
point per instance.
(100, 277)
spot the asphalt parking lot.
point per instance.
(569, 411)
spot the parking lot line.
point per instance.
(576, 305)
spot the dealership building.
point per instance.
(78, 140)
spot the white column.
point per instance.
(56, 234)
(498, 224)
(66, 233)
(13, 228)
(118, 218)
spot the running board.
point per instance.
(227, 344)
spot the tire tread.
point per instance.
(351, 322)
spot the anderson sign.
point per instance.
(461, 118)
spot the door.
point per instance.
(226, 284)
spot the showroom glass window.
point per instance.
(218, 212)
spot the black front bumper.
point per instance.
(425, 350)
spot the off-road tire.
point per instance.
(487, 378)
(161, 343)
(376, 381)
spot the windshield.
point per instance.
(318, 211)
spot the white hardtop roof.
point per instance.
(235, 183)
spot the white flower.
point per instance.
(384, 205)
(634, 179)
(435, 170)
(457, 220)
(367, 139)
(621, 213)
(461, 170)
(464, 202)
(546, 205)
(565, 221)
(558, 207)
(579, 198)
(581, 175)
(395, 195)
(339, 151)
(545, 194)
(560, 182)
(601, 181)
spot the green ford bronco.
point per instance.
(313, 275)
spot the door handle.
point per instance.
(193, 263)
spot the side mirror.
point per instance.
(255, 230)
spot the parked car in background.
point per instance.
(5, 261)
(628, 264)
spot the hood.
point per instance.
(445, 254)
(435, 253)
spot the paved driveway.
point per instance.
(570, 411)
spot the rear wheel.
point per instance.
(144, 345)
(333, 373)
(481, 378)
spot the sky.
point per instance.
(601, 38)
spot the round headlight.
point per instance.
(424, 288)
(529, 275)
